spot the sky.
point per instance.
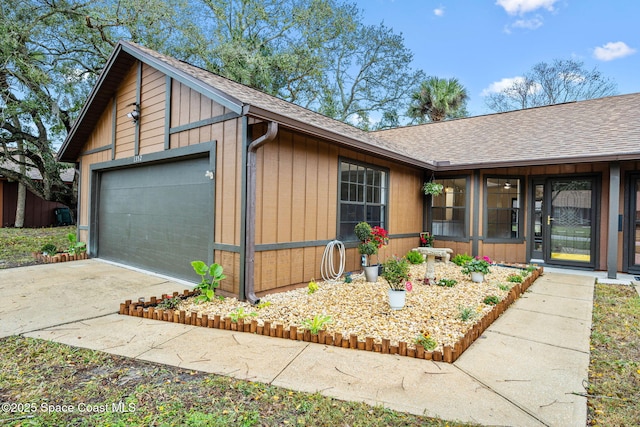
(486, 43)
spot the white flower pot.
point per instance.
(477, 277)
(397, 299)
(371, 273)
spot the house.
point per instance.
(178, 164)
(38, 212)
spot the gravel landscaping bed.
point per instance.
(362, 308)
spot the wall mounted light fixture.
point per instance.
(507, 185)
(135, 114)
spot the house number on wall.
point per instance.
(137, 159)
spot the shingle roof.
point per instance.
(599, 129)
(602, 129)
(231, 94)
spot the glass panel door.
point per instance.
(569, 220)
(634, 236)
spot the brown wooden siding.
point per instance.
(38, 212)
(297, 201)
(125, 129)
(152, 110)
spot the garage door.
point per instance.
(157, 217)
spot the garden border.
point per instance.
(148, 310)
(59, 257)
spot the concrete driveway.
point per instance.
(41, 296)
(527, 369)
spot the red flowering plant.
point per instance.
(426, 240)
(380, 236)
(371, 239)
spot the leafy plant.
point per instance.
(371, 239)
(477, 265)
(317, 323)
(396, 272)
(414, 257)
(263, 304)
(467, 313)
(504, 287)
(210, 279)
(531, 268)
(312, 286)
(75, 246)
(448, 283)
(432, 188)
(514, 278)
(348, 278)
(240, 314)
(49, 249)
(491, 300)
(169, 303)
(426, 240)
(461, 259)
(425, 340)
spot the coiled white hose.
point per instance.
(327, 268)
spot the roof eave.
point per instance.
(537, 162)
(260, 113)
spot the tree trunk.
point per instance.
(22, 192)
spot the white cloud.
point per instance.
(520, 7)
(612, 50)
(529, 24)
(439, 11)
(496, 87)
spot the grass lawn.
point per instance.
(100, 389)
(18, 244)
(614, 369)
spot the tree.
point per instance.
(315, 53)
(45, 76)
(368, 75)
(438, 99)
(547, 84)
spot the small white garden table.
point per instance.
(430, 254)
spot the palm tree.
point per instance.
(438, 99)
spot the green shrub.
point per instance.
(467, 313)
(414, 257)
(49, 249)
(448, 283)
(425, 340)
(491, 300)
(207, 285)
(461, 259)
(514, 278)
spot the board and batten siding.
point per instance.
(297, 202)
(187, 107)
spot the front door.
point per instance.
(564, 218)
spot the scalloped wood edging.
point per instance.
(148, 310)
(59, 257)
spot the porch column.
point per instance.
(614, 206)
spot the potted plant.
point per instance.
(432, 188)
(371, 240)
(426, 240)
(396, 273)
(477, 268)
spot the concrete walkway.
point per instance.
(527, 369)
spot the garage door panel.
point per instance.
(157, 217)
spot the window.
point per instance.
(449, 209)
(503, 208)
(363, 197)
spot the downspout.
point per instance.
(250, 225)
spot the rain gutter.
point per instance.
(247, 291)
